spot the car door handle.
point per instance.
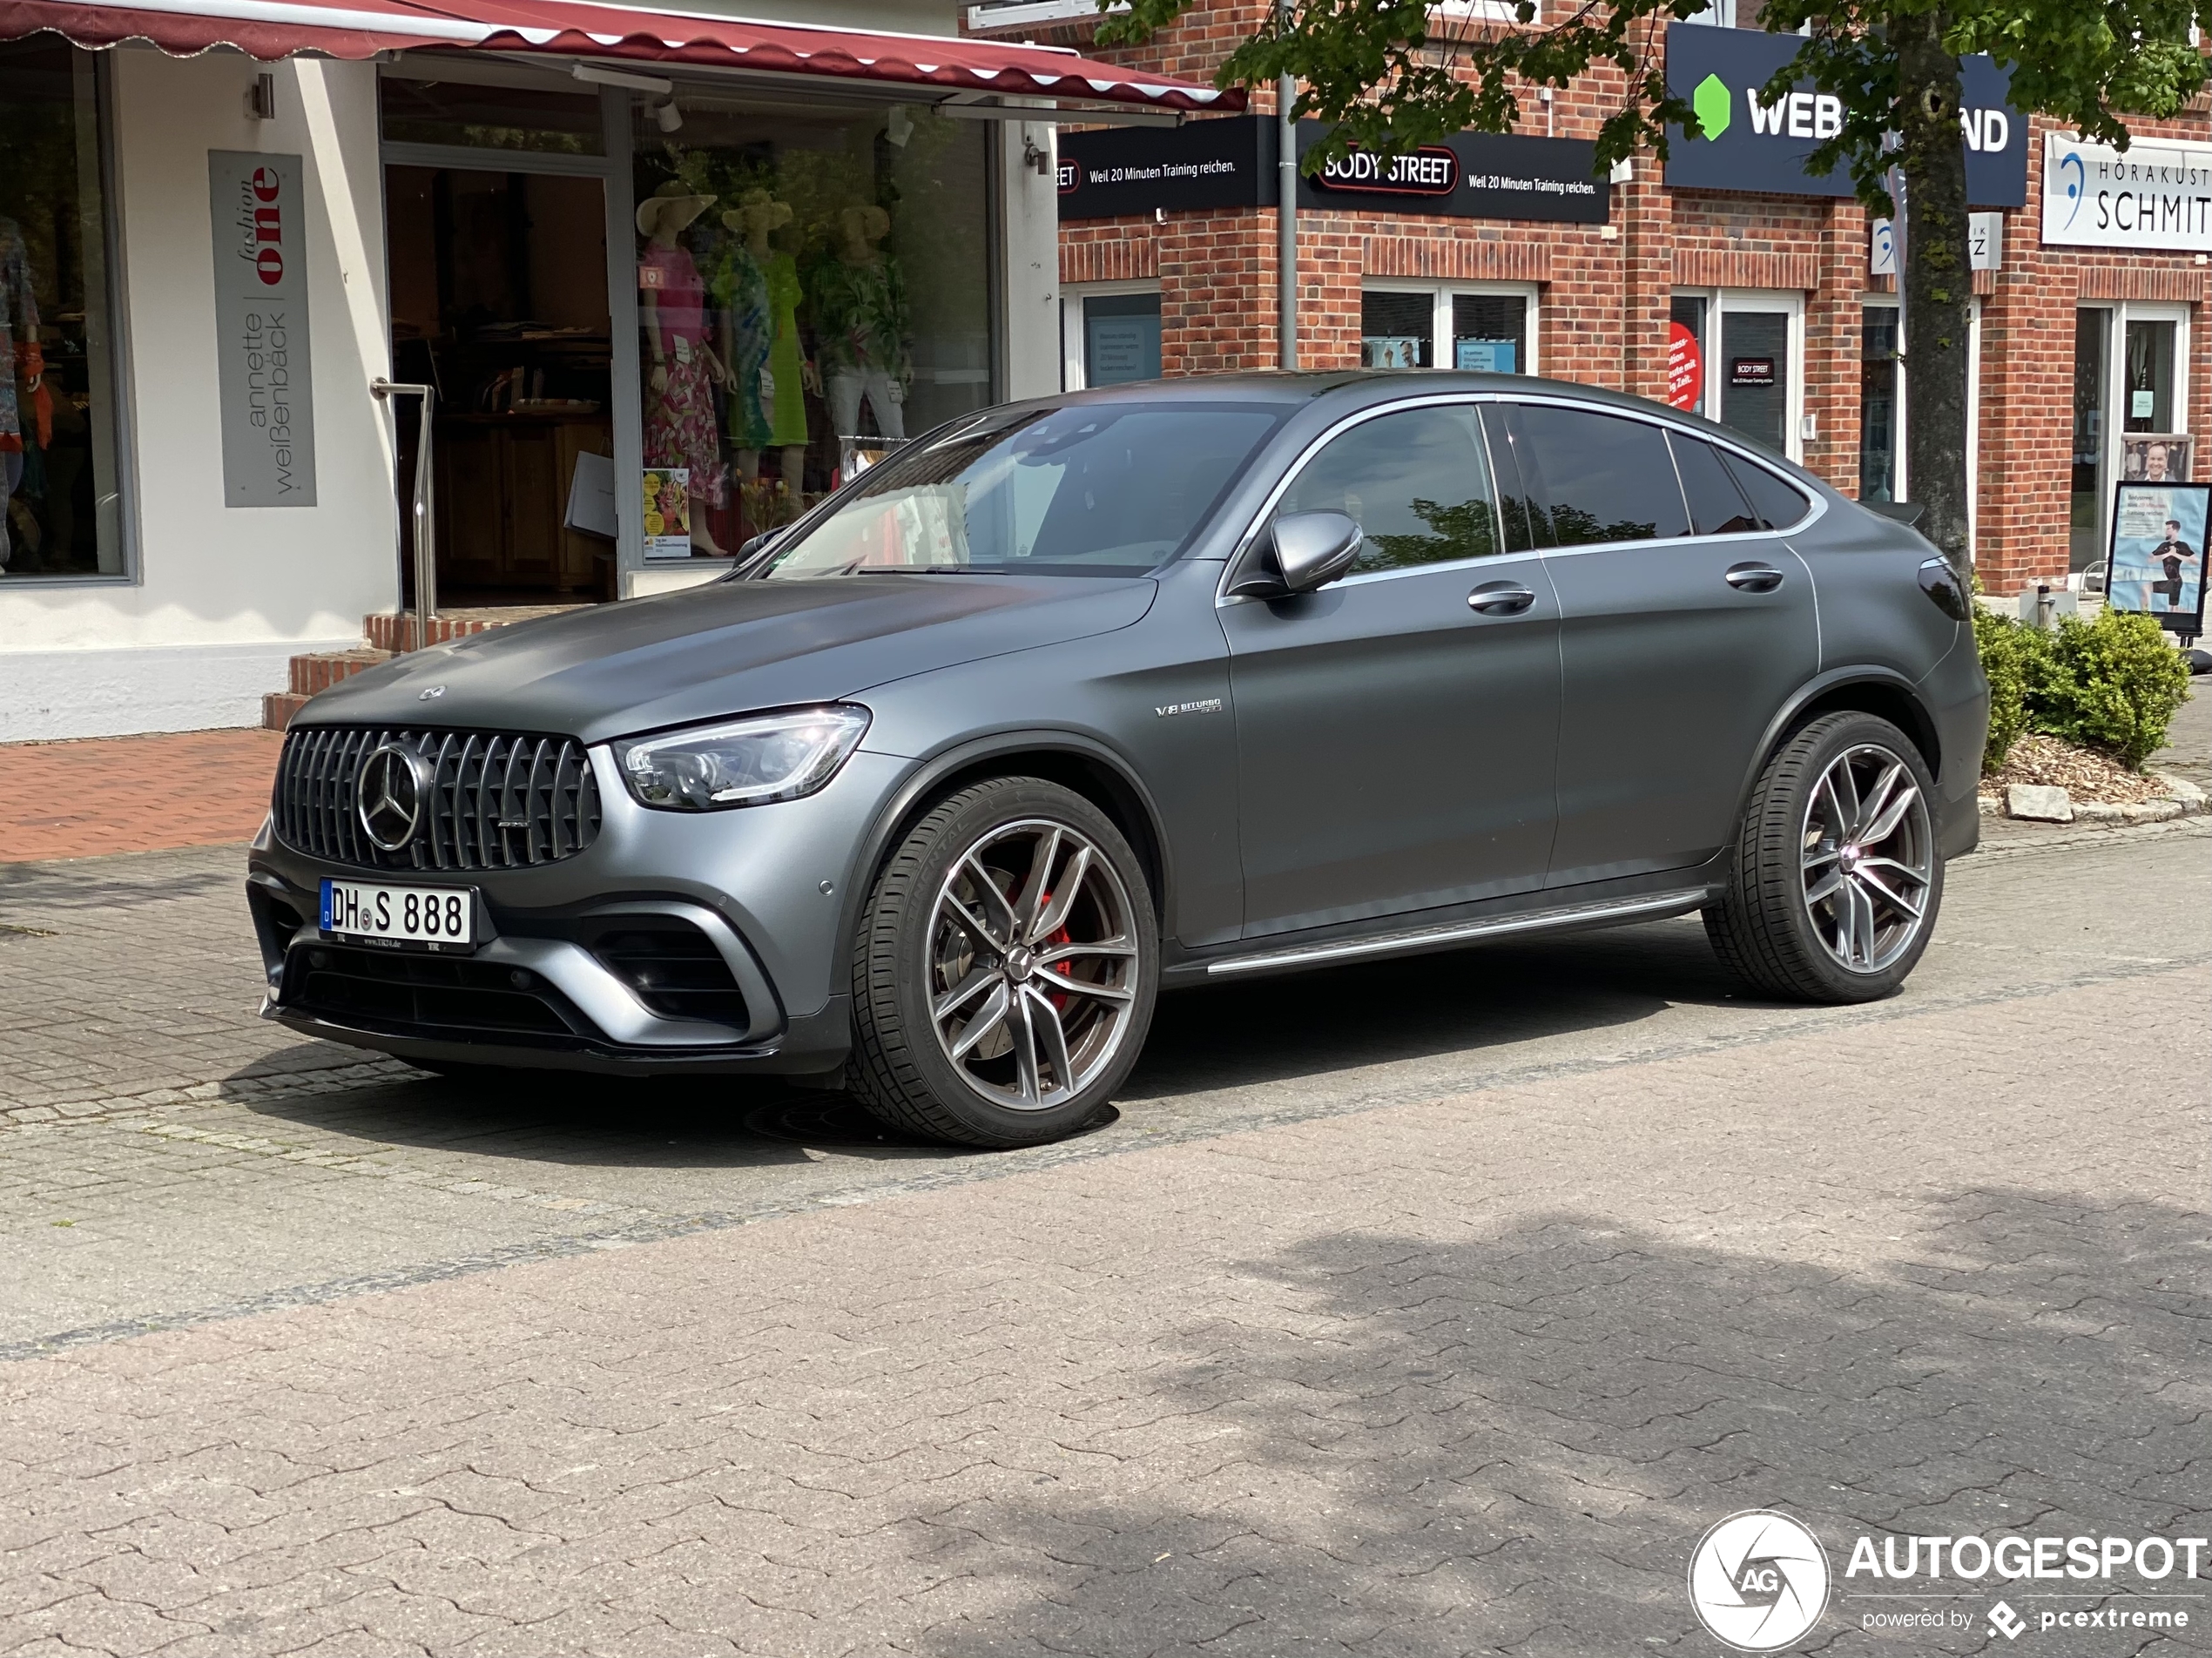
(1753, 578)
(1501, 598)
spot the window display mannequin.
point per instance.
(759, 291)
(860, 316)
(680, 428)
(20, 360)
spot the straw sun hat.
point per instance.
(672, 206)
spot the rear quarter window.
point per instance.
(1778, 504)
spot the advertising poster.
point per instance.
(1685, 367)
(2157, 564)
(2155, 457)
(668, 512)
(264, 399)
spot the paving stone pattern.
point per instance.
(1429, 1308)
(115, 794)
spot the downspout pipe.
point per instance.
(1286, 219)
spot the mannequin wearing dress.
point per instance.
(680, 429)
(861, 313)
(769, 375)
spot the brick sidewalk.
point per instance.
(112, 794)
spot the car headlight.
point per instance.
(742, 762)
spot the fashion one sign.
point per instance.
(265, 403)
(2158, 195)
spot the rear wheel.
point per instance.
(1005, 968)
(1837, 876)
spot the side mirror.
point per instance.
(1305, 551)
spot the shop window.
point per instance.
(2092, 347)
(1755, 376)
(1120, 337)
(1397, 330)
(1417, 483)
(490, 117)
(811, 288)
(1597, 474)
(57, 434)
(1878, 404)
(1489, 331)
(2150, 375)
(1479, 330)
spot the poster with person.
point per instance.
(2155, 457)
(2158, 554)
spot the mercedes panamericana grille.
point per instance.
(1076, 700)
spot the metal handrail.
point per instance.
(426, 535)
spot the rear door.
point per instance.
(1686, 621)
(1395, 730)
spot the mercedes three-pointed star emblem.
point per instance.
(389, 796)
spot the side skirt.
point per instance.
(1644, 907)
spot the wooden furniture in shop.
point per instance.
(503, 483)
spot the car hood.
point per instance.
(723, 649)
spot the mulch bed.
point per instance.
(2082, 773)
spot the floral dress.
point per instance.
(19, 349)
(740, 291)
(680, 428)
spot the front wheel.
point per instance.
(1005, 968)
(1837, 876)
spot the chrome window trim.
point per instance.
(1441, 399)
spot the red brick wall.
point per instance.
(1603, 293)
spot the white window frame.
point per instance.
(2118, 314)
(1441, 296)
(1719, 304)
(1075, 350)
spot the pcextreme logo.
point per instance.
(1758, 1581)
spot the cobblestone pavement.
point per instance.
(1427, 1309)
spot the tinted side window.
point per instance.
(1777, 504)
(1716, 506)
(1602, 478)
(1417, 482)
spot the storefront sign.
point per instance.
(1750, 371)
(1984, 245)
(1230, 163)
(1750, 145)
(1499, 176)
(1199, 165)
(1685, 367)
(265, 397)
(2156, 196)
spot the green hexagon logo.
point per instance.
(1714, 105)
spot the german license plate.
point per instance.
(438, 918)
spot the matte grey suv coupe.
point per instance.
(1075, 700)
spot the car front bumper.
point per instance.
(760, 889)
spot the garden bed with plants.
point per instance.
(2073, 713)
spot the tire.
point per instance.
(1830, 862)
(984, 1069)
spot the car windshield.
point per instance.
(1089, 489)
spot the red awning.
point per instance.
(275, 29)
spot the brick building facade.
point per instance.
(1602, 298)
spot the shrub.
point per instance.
(2004, 647)
(2113, 683)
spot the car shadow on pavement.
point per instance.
(1420, 1007)
(1512, 1442)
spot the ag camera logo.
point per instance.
(1758, 1581)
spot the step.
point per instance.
(278, 706)
(320, 670)
(396, 631)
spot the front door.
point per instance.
(1686, 623)
(1394, 740)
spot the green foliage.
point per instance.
(2111, 684)
(2003, 644)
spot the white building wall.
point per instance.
(221, 597)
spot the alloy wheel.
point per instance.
(1868, 858)
(1032, 964)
